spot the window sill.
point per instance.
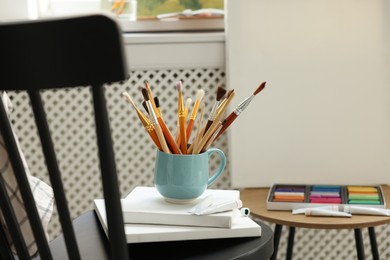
(173, 25)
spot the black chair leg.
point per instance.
(374, 245)
(277, 234)
(359, 244)
(290, 245)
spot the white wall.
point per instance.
(32, 9)
(324, 116)
(16, 9)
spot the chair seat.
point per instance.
(91, 239)
(93, 245)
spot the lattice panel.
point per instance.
(70, 114)
(71, 120)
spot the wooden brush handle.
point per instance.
(161, 138)
(168, 136)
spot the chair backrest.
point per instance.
(61, 53)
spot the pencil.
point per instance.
(167, 134)
(198, 99)
(145, 121)
(239, 109)
(182, 119)
(155, 123)
(221, 91)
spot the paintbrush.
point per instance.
(186, 108)
(213, 137)
(239, 109)
(215, 124)
(157, 103)
(198, 99)
(221, 91)
(182, 118)
(167, 134)
(145, 106)
(155, 123)
(221, 104)
(145, 121)
(199, 132)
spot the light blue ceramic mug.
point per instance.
(182, 178)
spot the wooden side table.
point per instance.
(255, 199)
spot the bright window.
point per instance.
(183, 15)
(152, 8)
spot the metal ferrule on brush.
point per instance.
(241, 107)
(182, 113)
(149, 127)
(213, 111)
(153, 116)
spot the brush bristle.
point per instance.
(126, 95)
(179, 86)
(188, 102)
(259, 88)
(157, 101)
(221, 91)
(145, 106)
(229, 93)
(200, 94)
(145, 94)
(147, 84)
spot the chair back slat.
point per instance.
(11, 221)
(54, 173)
(109, 178)
(25, 191)
(5, 249)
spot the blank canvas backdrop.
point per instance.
(324, 116)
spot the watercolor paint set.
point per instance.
(295, 196)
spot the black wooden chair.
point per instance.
(60, 53)
(73, 52)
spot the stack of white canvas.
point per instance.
(149, 218)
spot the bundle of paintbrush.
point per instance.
(206, 133)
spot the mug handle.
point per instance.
(221, 167)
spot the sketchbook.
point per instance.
(144, 205)
(139, 233)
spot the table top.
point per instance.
(255, 200)
(92, 242)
